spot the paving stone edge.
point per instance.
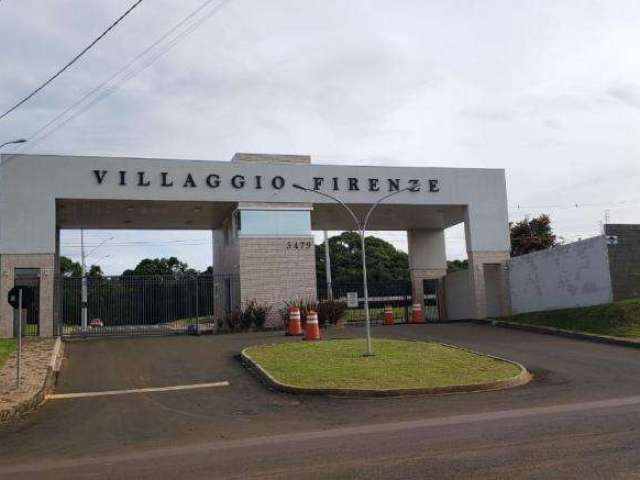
(39, 396)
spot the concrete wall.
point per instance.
(457, 288)
(572, 275)
(624, 260)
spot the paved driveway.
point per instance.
(567, 372)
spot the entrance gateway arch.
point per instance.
(262, 225)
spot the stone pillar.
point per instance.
(487, 239)
(477, 261)
(427, 259)
(277, 269)
(46, 264)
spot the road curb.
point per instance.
(39, 396)
(591, 337)
(522, 378)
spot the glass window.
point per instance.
(275, 222)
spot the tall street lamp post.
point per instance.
(361, 228)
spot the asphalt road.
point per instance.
(580, 418)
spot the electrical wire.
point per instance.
(72, 61)
(113, 83)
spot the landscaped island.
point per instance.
(398, 366)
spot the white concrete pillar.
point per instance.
(427, 259)
(487, 238)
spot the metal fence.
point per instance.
(145, 305)
(396, 294)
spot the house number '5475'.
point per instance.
(298, 245)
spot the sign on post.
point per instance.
(352, 299)
(19, 298)
(14, 297)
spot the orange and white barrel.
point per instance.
(294, 326)
(312, 329)
(416, 313)
(388, 315)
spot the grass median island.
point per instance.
(396, 365)
(620, 319)
(7, 346)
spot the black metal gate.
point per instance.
(145, 305)
(396, 294)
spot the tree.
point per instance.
(160, 266)
(531, 235)
(69, 268)
(95, 271)
(384, 262)
(456, 265)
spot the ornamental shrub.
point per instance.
(330, 312)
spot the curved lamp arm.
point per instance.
(380, 200)
(353, 215)
(20, 140)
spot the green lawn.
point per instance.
(620, 319)
(7, 345)
(397, 364)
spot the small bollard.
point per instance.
(312, 327)
(294, 327)
(416, 313)
(388, 315)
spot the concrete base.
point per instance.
(418, 275)
(499, 291)
(46, 264)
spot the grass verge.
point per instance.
(7, 346)
(620, 319)
(397, 364)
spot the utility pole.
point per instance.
(84, 281)
(327, 264)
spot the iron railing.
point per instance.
(396, 294)
(130, 305)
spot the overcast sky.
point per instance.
(548, 90)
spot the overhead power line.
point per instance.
(73, 60)
(131, 69)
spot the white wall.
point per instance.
(30, 184)
(572, 275)
(457, 288)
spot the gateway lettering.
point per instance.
(257, 182)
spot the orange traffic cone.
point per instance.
(416, 314)
(388, 315)
(294, 327)
(312, 327)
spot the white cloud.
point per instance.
(544, 89)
